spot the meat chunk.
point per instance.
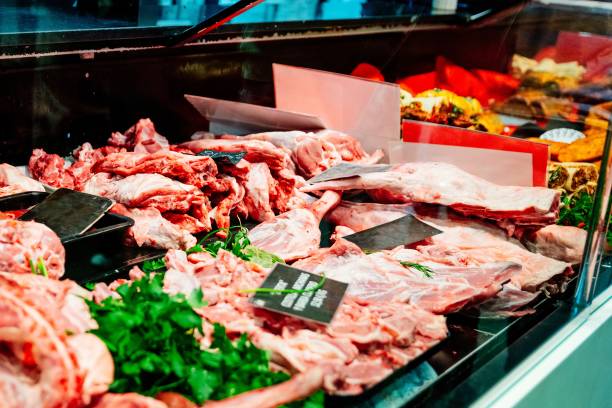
(140, 138)
(193, 170)
(257, 196)
(445, 184)
(40, 364)
(151, 229)
(50, 169)
(563, 243)
(12, 177)
(151, 190)
(380, 277)
(294, 234)
(256, 151)
(26, 242)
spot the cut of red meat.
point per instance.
(22, 242)
(151, 229)
(50, 169)
(560, 242)
(294, 234)
(256, 151)
(257, 197)
(441, 183)
(194, 170)
(140, 138)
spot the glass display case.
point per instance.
(486, 121)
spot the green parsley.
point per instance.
(576, 210)
(151, 336)
(425, 270)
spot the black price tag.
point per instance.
(297, 293)
(345, 170)
(403, 231)
(223, 157)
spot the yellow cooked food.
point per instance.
(583, 150)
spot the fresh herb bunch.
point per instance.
(151, 336)
(576, 210)
(425, 270)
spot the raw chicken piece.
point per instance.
(441, 183)
(41, 365)
(559, 242)
(194, 170)
(151, 229)
(380, 277)
(294, 234)
(256, 150)
(297, 388)
(257, 197)
(22, 242)
(140, 138)
(12, 177)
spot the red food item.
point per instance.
(368, 71)
(546, 52)
(419, 83)
(499, 86)
(460, 81)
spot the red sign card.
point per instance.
(433, 133)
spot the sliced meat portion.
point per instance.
(193, 170)
(256, 151)
(26, 242)
(560, 242)
(11, 176)
(297, 388)
(151, 229)
(441, 183)
(380, 277)
(141, 138)
(294, 234)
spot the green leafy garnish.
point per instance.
(237, 242)
(576, 210)
(154, 265)
(151, 336)
(554, 176)
(425, 270)
(39, 267)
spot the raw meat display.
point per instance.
(26, 245)
(497, 251)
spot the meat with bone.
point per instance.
(151, 229)
(349, 342)
(26, 242)
(256, 151)
(380, 277)
(441, 183)
(193, 170)
(294, 234)
(150, 190)
(40, 364)
(140, 138)
(13, 178)
(560, 242)
(50, 169)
